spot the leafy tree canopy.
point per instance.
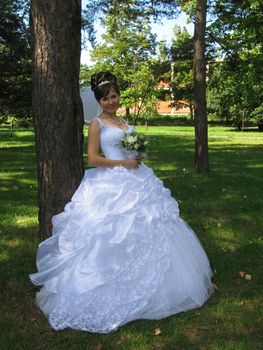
(237, 25)
(15, 58)
(132, 10)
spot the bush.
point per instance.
(8, 121)
(163, 120)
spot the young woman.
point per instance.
(119, 251)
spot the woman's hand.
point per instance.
(139, 160)
(133, 163)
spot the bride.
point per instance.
(119, 251)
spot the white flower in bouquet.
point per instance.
(134, 142)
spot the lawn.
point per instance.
(224, 207)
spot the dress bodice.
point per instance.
(110, 137)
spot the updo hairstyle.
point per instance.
(102, 83)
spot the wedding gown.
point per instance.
(119, 251)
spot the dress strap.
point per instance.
(99, 121)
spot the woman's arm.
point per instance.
(94, 159)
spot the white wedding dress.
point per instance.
(119, 251)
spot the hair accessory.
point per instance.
(104, 82)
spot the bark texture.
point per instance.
(200, 117)
(57, 107)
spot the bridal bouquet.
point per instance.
(135, 144)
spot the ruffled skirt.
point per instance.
(119, 252)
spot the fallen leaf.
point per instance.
(215, 287)
(242, 302)
(157, 331)
(248, 277)
(242, 274)
(203, 328)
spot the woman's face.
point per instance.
(110, 103)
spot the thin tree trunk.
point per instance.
(243, 121)
(57, 108)
(201, 138)
(12, 127)
(127, 111)
(191, 107)
(171, 88)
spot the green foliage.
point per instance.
(133, 9)
(257, 114)
(182, 58)
(234, 37)
(235, 93)
(236, 25)
(141, 93)
(175, 67)
(12, 122)
(85, 75)
(99, 9)
(126, 49)
(235, 87)
(15, 58)
(164, 120)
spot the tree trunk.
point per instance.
(243, 121)
(127, 111)
(201, 138)
(191, 107)
(171, 87)
(57, 108)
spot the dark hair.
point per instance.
(102, 83)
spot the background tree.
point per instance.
(235, 93)
(156, 10)
(182, 60)
(140, 95)
(235, 25)
(200, 117)
(57, 108)
(235, 83)
(15, 59)
(175, 67)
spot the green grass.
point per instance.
(224, 208)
